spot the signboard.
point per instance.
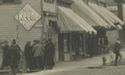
(27, 17)
(49, 6)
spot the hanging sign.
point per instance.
(27, 17)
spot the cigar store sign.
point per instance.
(27, 17)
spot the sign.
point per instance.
(49, 6)
(27, 17)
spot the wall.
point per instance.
(8, 23)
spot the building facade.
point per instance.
(11, 28)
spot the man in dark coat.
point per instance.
(49, 54)
(5, 50)
(117, 53)
(28, 55)
(38, 55)
(14, 57)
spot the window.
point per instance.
(10, 1)
(65, 3)
(49, 1)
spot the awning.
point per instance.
(115, 9)
(106, 14)
(88, 14)
(69, 21)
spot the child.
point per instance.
(104, 60)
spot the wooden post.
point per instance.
(70, 45)
(56, 48)
(120, 15)
(120, 9)
(84, 42)
(43, 36)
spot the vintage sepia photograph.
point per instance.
(62, 37)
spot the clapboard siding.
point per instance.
(8, 23)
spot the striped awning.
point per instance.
(90, 16)
(108, 16)
(68, 21)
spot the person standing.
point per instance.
(38, 55)
(49, 54)
(28, 55)
(14, 57)
(116, 51)
(33, 59)
(5, 47)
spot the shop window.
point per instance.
(10, 1)
(65, 3)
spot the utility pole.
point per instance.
(42, 19)
(120, 15)
(120, 8)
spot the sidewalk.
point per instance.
(65, 66)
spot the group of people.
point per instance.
(11, 56)
(115, 54)
(38, 55)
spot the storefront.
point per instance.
(94, 42)
(72, 36)
(99, 18)
(115, 23)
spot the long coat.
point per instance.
(5, 59)
(28, 52)
(38, 50)
(117, 48)
(49, 54)
(14, 55)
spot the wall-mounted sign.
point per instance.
(49, 6)
(27, 17)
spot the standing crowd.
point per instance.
(38, 55)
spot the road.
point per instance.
(90, 66)
(109, 70)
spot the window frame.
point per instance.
(14, 2)
(49, 1)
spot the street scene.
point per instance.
(62, 37)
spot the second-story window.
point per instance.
(49, 1)
(10, 1)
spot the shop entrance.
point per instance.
(71, 46)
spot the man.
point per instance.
(117, 53)
(5, 47)
(14, 57)
(49, 54)
(28, 55)
(38, 55)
